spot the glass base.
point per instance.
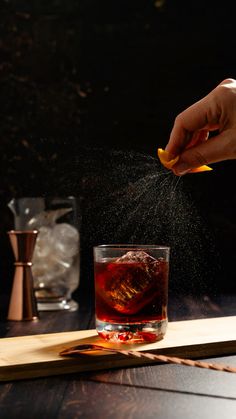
(132, 332)
(53, 305)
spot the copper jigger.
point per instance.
(23, 304)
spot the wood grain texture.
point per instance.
(38, 355)
(108, 401)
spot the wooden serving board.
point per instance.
(38, 355)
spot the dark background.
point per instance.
(87, 84)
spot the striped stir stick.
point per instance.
(83, 349)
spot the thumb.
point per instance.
(213, 150)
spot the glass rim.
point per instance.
(132, 246)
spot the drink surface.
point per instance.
(131, 291)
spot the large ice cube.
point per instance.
(131, 281)
(138, 256)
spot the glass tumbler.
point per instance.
(131, 292)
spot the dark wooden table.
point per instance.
(158, 391)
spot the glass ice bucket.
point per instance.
(56, 258)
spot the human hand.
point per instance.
(189, 137)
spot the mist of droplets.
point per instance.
(129, 198)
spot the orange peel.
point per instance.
(203, 168)
(168, 161)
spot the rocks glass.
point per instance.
(56, 258)
(131, 292)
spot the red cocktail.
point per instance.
(131, 292)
